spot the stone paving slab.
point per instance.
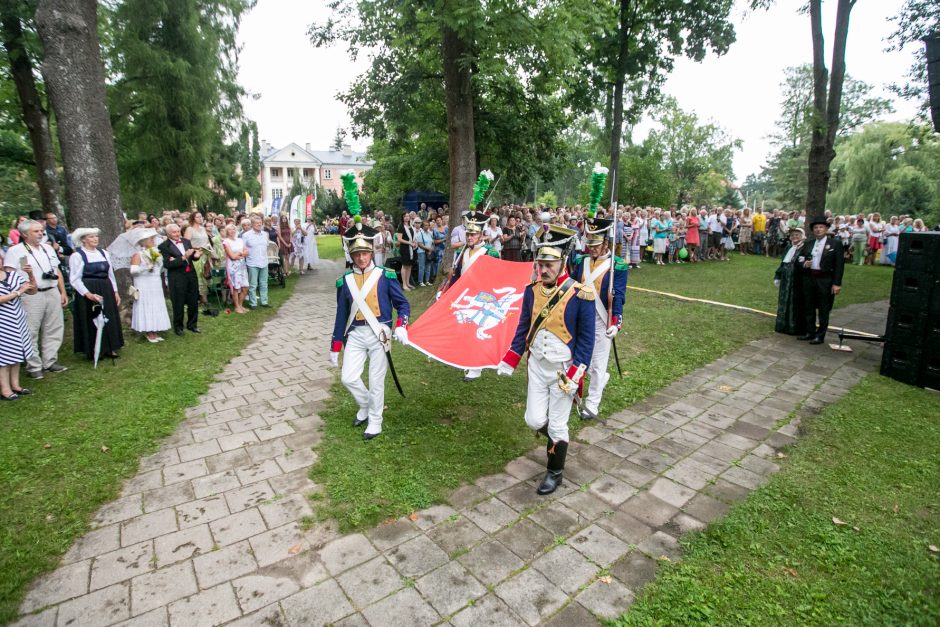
(216, 527)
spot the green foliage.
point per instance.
(891, 168)
(698, 156)
(55, 474)
(642, 181)
(525, 74)
(175, 99)
(548, 199)
(915, 20)
(779, 558)
(787, 168)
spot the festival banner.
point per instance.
(276, 206)
(309, 207)
(472, 324)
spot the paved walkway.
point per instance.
(212, 529)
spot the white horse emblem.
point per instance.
(486, 309)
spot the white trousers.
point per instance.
(545, 402)
(360, 346)
(597, 371)
(44, 317)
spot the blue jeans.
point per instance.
(436, 263)
(424, 268)
(257, 277)
(758, 243)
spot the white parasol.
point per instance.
(123, 248)
(99, 321)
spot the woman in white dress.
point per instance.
(236, 269)
(297, 247)
(378, 245)
(311, 255)
(149, 312)
(891, 233)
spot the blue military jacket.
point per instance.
(384, 296)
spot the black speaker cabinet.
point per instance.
(906, 325)
(902, 363)
(931, 373)
(919, 252)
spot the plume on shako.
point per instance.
(598, 180)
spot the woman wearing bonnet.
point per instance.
(149, 312)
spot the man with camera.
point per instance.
(44, 308)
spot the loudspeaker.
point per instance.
(932, 43)
(906, 325)
(902, 363)
(919, 252)
(931, 373)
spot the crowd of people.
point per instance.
(44, 268)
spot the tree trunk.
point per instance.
(74, 77)
(616, 131)
(34, 114)
(461, 145)
(826, 108)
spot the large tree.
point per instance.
(74, 78)
(916, 20)
(35, 117)
(489, 82)
(634, 57)
(175, 97)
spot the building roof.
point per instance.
(294, 153)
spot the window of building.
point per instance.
(290, 173)
(327, 173)
(308, 172)
(277, 192)
(275, 173)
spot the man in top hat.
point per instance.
(365, 297)
(556, 327)
(594, 269)
(823, 263)
(472, 250)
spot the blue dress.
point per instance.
(15, 343)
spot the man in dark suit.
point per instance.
(178, 256)
(823, 263)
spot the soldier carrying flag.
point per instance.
(596, 269)
(556, 327)
(365, 296)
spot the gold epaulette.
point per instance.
(585, 292)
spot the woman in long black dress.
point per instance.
(406, 249)
(92, 277)
(787, 279)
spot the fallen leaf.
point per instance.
(388, 521)
(838, 522)
(933, 548)
(664, 558)
(605, 579)
(47, 445)
(896, 508)
(50, 517)
(294, 550)
(105, 449)
(413, 516)
(781, 456)
(791, 571)
(856, 529)
(725, 388)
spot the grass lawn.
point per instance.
(749, 281)
(447, 431)
(65, 450)
(329, 247)
(869, 460)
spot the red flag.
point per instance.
(309, 206)
(472, 324)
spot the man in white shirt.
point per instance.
(256, 240)
(822, 263)
(44, 308)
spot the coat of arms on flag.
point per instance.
(472, 324)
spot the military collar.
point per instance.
(370, 267)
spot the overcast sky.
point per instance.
(296, 85)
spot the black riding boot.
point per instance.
(556, 464)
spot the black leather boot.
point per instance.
(556, 464)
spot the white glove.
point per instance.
(401, 334)
(334, 359)
(504, 369)
(777, 283)
(611, 332)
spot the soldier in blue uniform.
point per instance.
(556, 327)
(474, 222)
(594, 269)
(365, 297)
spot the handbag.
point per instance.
(133, 293)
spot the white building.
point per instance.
(280, 167)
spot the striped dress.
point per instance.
(15, 343)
